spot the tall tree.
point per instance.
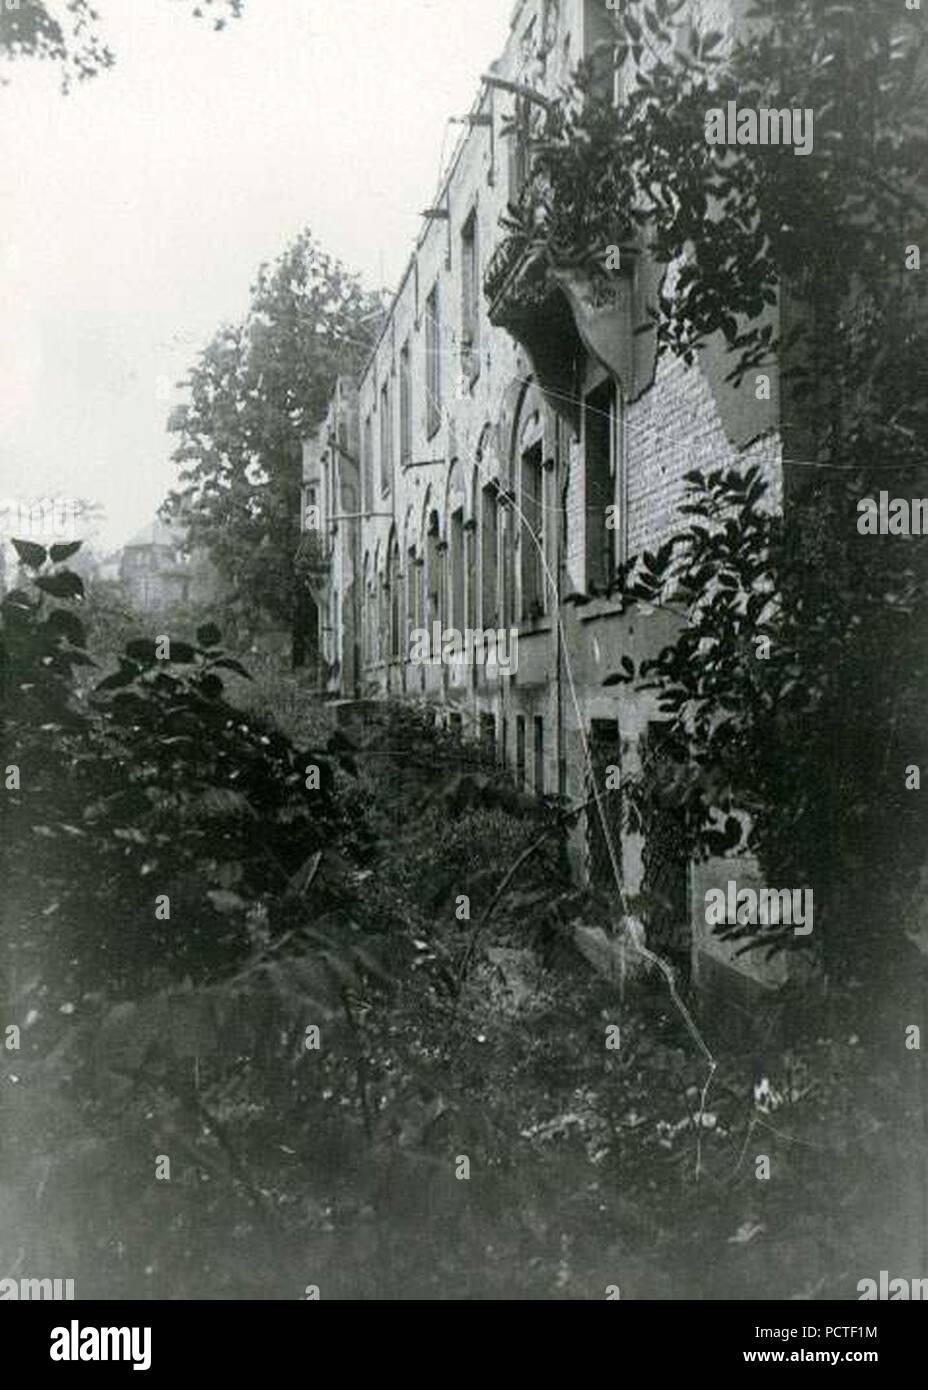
(258, 389)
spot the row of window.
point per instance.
(520, 762)
(401, 381)
(599, 38)
(441, 584)
(604, 826)
(496, 570)
(666, 880)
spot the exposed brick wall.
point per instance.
(673, 428)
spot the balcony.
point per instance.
(557, 308)
(314, 561)
(525, 300)
(554, 281)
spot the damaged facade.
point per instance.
(503, 452)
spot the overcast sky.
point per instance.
(134, 212)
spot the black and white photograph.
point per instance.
(464, 663)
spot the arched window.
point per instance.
(532, 536)
(471, 609)
(375, 604)
(603, 482)
(433, 575)
(383, 615)
(367, 617)
(456, 568)
(396, 607)
(411, 606)
(508, 534)
(489, 559)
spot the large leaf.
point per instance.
(63, 585)
(142, 650)
(32, 555)
(64, 552)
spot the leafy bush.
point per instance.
(799, 266)
(151, 786)
(791, 695)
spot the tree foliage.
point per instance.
(797, 266)
(258, 389)
(151, 784)
(791, 703)
(67, 33)
(740, 222)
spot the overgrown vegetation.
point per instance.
(150, 784)
(67, 33)
(444, 1032)
(316, 1000)
(792, 696)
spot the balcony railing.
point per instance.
(314, 559)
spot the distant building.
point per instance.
(110, 567)
(158, 570)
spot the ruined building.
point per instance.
(502, 452)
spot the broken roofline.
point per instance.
(443, 194)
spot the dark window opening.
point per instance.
(470, 299)
(456, 562)
(412, 597)
(600, 456)
(434, 586)
(539, 755)
(405, 407)
(470, 566)
(505, 604)
(605, 753)
(433, 362)
(531, 542)
(386, 438)
(395, 606)
(489, 557)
